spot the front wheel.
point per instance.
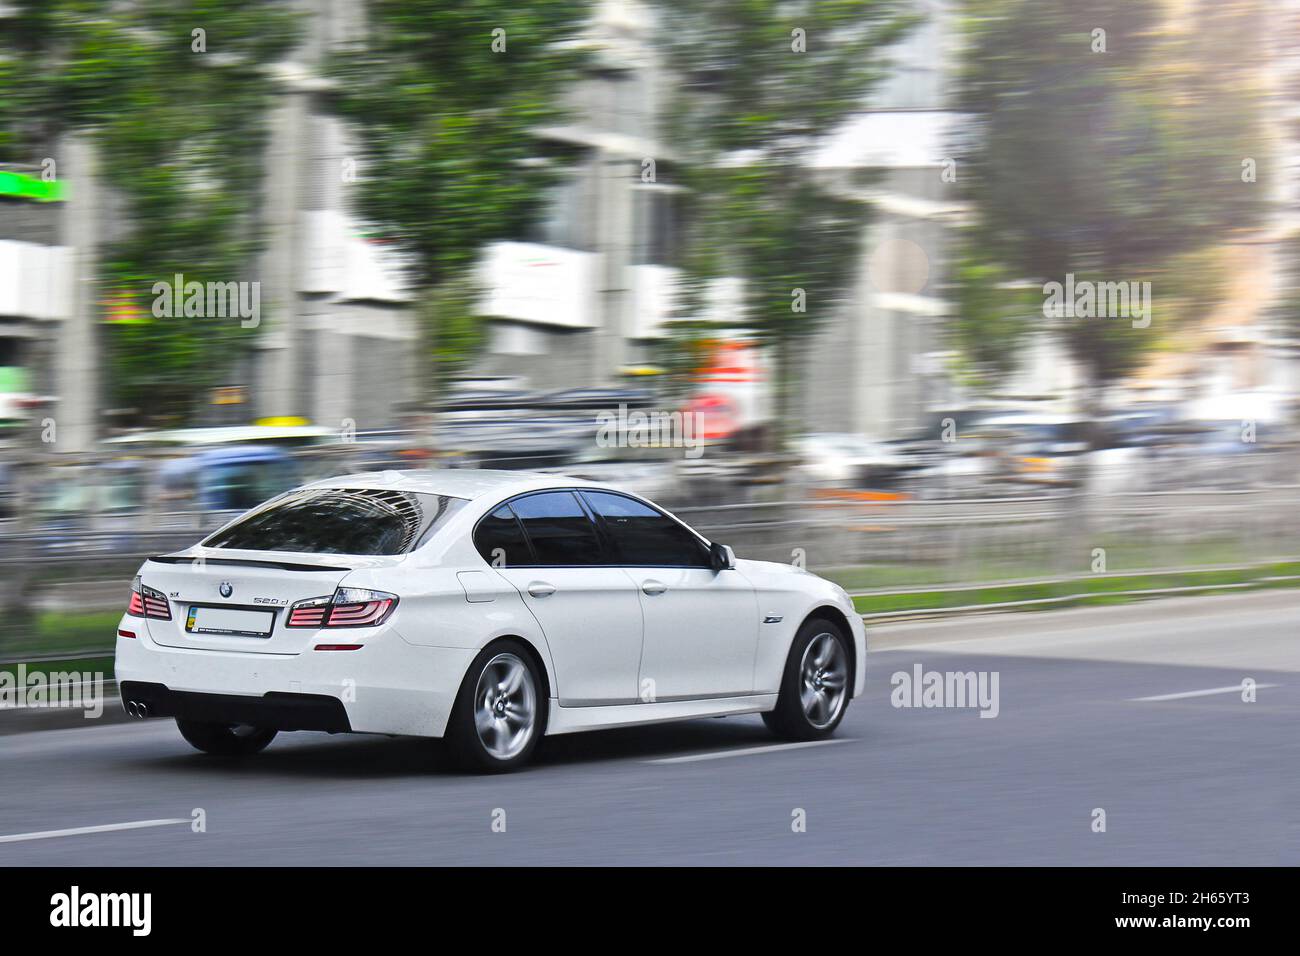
(225, 740)
(815, 686)
(498, 716)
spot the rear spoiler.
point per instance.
(243, 562)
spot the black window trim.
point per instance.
(528, 542)
(602, 533)
(601, 538)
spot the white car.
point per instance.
(486, 607)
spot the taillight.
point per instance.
(146, 602)
(309, 613)
(346, 607)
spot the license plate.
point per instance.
(223, 620)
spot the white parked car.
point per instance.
(487, 607)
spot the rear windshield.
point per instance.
(340, 521)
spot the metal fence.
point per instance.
(871, 544)
(892, 545)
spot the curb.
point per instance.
(26, 719)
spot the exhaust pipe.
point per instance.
(137, 708)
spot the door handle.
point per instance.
(541, 589)
(654, 587)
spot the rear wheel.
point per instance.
(499, 713)
(815, 687)
(225, 740)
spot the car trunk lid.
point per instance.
(225, 600)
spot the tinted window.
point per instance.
(501, 541)
(340, 521)
(560, 531)
(643, 536)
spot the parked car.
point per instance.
(491, 608)
(232, 478)
(845, 460)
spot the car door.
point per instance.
(548, 547)
(701, 625)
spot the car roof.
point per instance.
(456, 482)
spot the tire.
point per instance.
(492, 732)
(815, 688)
(225, 740)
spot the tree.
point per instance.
(447, 100)
(990, 311)
(1104, 145)
(761, 84)
(452, 328)
(179, 119)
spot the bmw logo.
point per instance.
(226, 589)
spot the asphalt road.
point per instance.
(1193, 780)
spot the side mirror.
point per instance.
(722, 557)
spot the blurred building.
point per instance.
(337, 344)
(587, 296)
(48, 355)
(1283, 327)
(583, 298)
(878, 366)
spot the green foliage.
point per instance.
(453, 328)
(447, 127)
(991, 311)
(180, 136)
(1108, 164)
(750, 113)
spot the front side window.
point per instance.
(560, 532)
(340, 521)
(644, 537)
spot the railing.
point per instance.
(878, 545)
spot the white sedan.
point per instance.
(489, 608)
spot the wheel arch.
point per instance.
(538, 660)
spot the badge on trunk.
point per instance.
(226, 589)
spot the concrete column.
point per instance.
(279, 345)
(614, 224)
(75, 360)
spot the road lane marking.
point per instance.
(746, 751)
(78, 831)
(1233, 689)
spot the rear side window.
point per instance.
(560, 532)
(645, 537)
(500, 539)
(340, 521)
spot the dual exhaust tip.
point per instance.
(137, 708)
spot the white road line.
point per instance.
(1233, 689)
(78, 831)
(746, 751)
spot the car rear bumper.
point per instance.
(273, 710)
(386, 687)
